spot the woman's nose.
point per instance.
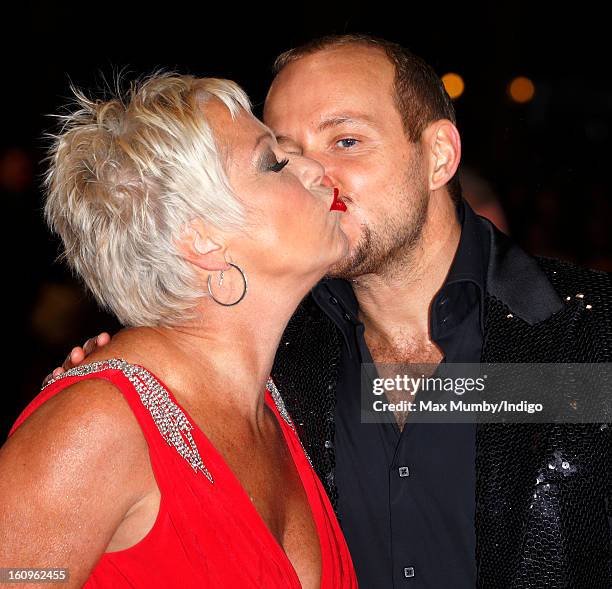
(310, 172)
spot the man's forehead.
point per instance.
(345, 117)
(343, 60)
(325, 120)
(330, 81)
(346, 109)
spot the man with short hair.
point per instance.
(428, 281)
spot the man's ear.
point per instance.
(443, 144)
(203, 247)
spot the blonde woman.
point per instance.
(169, 459)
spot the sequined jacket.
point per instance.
(538, 524)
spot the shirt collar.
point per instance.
(337, 299)
(469, 267)
(471, 259)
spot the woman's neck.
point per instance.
(228, 352)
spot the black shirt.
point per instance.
(406, 499)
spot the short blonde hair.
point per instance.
(126, 175)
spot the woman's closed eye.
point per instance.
(278, 166)
(271, 164)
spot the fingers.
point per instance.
(96, 342)
(89, 346)
(76, 356)
(47, 379)
(55, 373)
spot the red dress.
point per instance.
(207, 532)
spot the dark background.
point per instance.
(540, 168)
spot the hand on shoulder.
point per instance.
(79, 354)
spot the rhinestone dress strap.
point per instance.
(282, 410)
(171, 421)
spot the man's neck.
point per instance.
(394, 306)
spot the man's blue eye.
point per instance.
(348, 142)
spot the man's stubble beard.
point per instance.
(391, 248)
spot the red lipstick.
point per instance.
(337, 204)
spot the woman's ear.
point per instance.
(443, 145)
(202, 247)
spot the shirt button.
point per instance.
(443, 302)
(408, 572)
(404, 471)
(333, 300)
(347, 316)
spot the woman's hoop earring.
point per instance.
(244, 279)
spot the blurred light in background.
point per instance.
(521, 90)
(454, 84)
(16, 170)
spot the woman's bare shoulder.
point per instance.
(92, 410)
(81, 462)
(85, 432)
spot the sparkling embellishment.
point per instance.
(588, 306)
(509, 316)
(280, 405)
(579, 296)
(543, 489)
(568, 298)
(561, 465)
(170, 420)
